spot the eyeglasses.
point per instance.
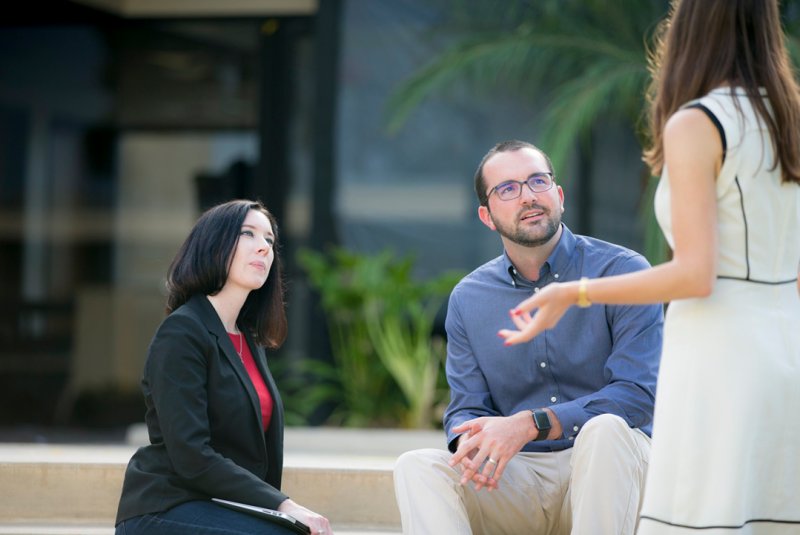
(511, 189)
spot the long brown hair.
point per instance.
(703, 44)
(202, 263)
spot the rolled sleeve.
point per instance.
(631, 367)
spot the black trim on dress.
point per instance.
(717, 124)
(756, 281)
(746, 233)
(747, 277)
(740, 526)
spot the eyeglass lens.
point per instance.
(513, 188)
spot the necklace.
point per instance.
(241, 344)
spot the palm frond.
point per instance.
(486, 58)
(530, 60)
(603, 90)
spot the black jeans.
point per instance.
(199, 518)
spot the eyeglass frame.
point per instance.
(525, 182)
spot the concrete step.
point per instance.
(55, 529)
(89, 529)
(343, 474)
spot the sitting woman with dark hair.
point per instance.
(214, 415)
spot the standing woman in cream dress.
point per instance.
(725, 126)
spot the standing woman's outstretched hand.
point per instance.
(549, 305)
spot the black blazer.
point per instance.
(204, 421)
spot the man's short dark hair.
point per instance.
(503, 146)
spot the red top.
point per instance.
(264, 399)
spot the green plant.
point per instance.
(399, 328)
(387, 365)
(305, 385)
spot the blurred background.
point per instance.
(359, 123)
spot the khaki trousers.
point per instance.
(594, 488)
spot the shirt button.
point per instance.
(575, 428)
(572, 438)
(543, 365)
(555, 276)
(536, 290)
(553, 399)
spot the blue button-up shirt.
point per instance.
(601, 359)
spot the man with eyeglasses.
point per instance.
(549, 437)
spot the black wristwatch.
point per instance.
(541, 419)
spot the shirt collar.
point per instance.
(554, 266)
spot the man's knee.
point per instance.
(604, 426)
(608, 435)
(419, 464)
(417, 474)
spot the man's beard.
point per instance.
(530, 237)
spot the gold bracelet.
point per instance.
(583, 300)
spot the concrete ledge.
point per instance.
(55, 529)
(89, 492)
(69, 489)
(345, 496)
(91, 529)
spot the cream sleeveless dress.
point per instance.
(725, 457)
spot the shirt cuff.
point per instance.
(572, 418)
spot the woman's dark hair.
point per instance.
(707, 43)
(202, 263)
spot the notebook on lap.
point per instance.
(269, 514)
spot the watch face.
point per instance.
(541, 419)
